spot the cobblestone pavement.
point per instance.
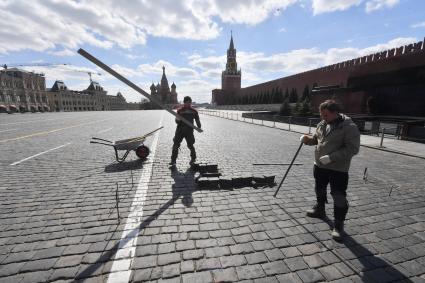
(388, 143)
(58, 220)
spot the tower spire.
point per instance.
(231, 46)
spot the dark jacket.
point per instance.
(341, 143)
(190, 114)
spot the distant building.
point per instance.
(94, 98)
(162, 91)
(22, 91)
(63, 99)
(230, 79)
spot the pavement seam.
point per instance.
(127, 245)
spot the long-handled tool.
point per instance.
(289, 168)
(106, 68)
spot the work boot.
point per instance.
(318, 211)
(338, 231)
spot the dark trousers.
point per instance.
(338, 182)
(190, 141)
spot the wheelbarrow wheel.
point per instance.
(142, 152)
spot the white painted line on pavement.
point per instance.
(104, 131)
(7, 130)
(51, 131)
(120, 270)
(38, 154)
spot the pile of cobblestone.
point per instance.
(209, 177)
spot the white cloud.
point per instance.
(170, 70)
(396, 42)
(125, 71)
(374, 5)
(325, 6)
(207, 63)
(64, 53)
(198, 90)
(419, 25)
(68, 24)
(249, 12)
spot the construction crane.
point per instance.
(90, 73)
(5, 66)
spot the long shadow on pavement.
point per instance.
(183, 187)
(369, 267)
(119, 167)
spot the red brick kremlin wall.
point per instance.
(342, 74)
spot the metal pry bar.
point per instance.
(289, 168)
(106, 68)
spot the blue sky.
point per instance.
(273, 38)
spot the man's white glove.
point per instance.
(325, 159)
(303, 138)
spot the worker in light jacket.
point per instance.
(337, 140)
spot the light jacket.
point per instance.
(341, 143)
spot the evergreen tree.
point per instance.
(297, 108)
(286, 96)
(285, 109)
(265, 97)
(279, 97)
(306, 93)
(272, 96)
(305, 108)
(293, 96)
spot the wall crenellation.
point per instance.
(378, 56)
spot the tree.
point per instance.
(306, 93)
(297, 107)
(256, 98)
(304, 108)
(266, 97)
(285, 109)
(293, 96)
(278, 97)
(272, 96)
(286, 96)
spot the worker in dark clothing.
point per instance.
(184, 131)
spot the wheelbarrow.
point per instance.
(136, 144)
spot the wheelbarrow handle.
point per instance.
(102, 143)
(93, 138)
